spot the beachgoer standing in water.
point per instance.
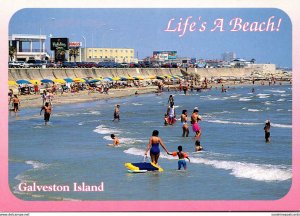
(16, 102)
(181, 156)
(117, 113)
(171, 114)
(171, 100)
(267, 130)
(153, 145)
(185, 126)
(47, 112)
(195, 117)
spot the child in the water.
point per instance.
(181, 155)
(115, 139)
(198, 146)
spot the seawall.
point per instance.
(54, 73)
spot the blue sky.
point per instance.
(143, 30)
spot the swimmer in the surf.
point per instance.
(181, 155)
(198, 146)
(153, 146)
(115, 139)
(185, 126)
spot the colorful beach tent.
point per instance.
(160, 77)
(60, 81)
(68, 80)
(11, 83)
(124, 79)
(23, 82)
(130, 78)
(46, 81)
(140, 77)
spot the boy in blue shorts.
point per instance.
(181, 155)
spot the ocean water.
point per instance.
(237, 164)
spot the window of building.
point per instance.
(90, 56)
(116, 50)
(126, 51)
(121, 50)
(95, 50)
(111, 50)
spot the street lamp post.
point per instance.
(84, 47)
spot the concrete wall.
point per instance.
(52, 73)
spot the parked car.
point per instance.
(32, 63)
(69, 65)
(17, 64)
(108, 65)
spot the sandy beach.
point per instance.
(85, 96)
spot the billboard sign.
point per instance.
(60, 46)
(59, 43)
(164, 55)
(75, 44)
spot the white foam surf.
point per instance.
(102, 129)
(254, 110)
(125, 140)
(245, 99)
(37, 164)
(281, 125)
(232, 122)
(263, 95)
(258, 172)
(281, 99)
(137, 104)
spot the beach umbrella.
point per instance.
(124, 79)
(168, 77)
(11, 82)
(135, 78)
(116, 78)
(23, 81)
(80, 80)
(93, 80)
(151, 77)
(107, 79)
(35, 82)
(130, 78)
(60, 81)
(68, 80)
(100, 78)
(140, 78)
(160, 77)
(46, 81)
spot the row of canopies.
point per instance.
(90, 80)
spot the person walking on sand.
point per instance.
(153, 146)
(117, 113)
(16, 102)
(47, 112)
(267, 130)
(195, 117)
(181, 156)
(185, 126)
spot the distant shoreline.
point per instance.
(31, 101)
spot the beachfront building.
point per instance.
(228, 56)
(27, 46)
(119, 55)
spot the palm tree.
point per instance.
(12, 52)
(73, 52)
